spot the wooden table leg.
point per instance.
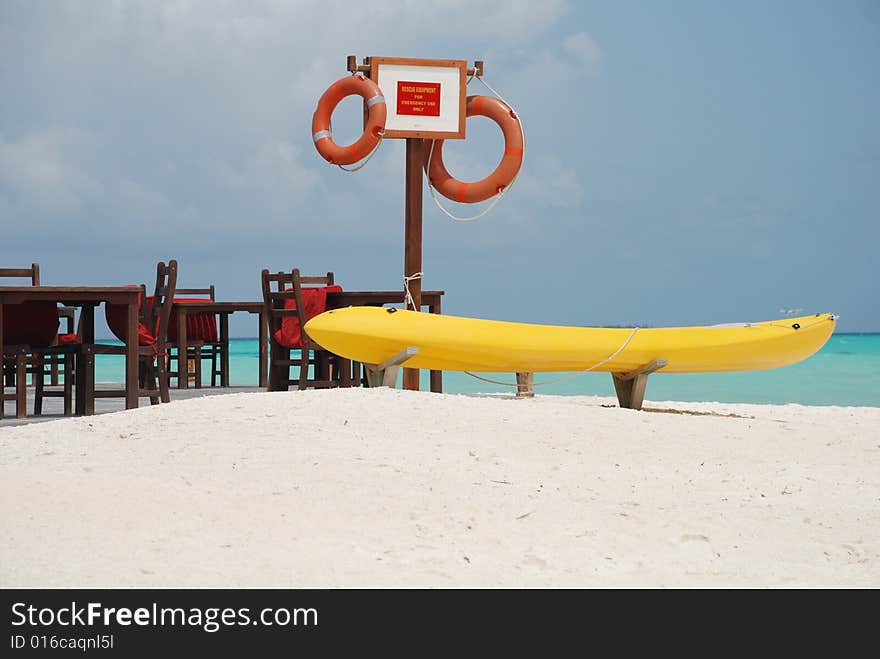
(436, 376)
(224, 356)
(182, 356)
(131, 353)
(85, 364)
(86, 391)
(2, 369)
(264, 349)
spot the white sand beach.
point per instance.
(381, 488)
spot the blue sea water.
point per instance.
(846, 371)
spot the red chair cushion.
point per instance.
(31, 323)
(116, 320)
(68, 338)
(199, 326)
(315, 300)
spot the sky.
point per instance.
(686, 163)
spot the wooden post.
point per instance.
(415, 149)
(525, 385)
(2, 376)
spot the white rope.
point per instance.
(365, 160)
(409, 303)
(803, 327)
(485, 211)
(500, 194)
(565, 377)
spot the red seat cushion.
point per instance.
(116, 320)
(315, 301)
(199, 326)
(68, 338)
(31, 323)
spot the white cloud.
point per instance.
(187, 113)
(582, 47)
(547, 182)
(38, 172)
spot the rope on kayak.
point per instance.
(797, 326)
(565, 377)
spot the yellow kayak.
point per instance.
(449, 343)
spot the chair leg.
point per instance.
(273, 370)
(148, 371)
(54, 372)
(164, 379)
(325, 370)
(68, 384)
(270, 380)
(304, 368)
(279, 374)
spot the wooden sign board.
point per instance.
(424, 98)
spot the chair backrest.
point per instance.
(160, 310)
(279, 287)
(35, 323)
(298, 280)
(200, 327)
(197, 291)
(32, 273)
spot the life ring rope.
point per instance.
(369, 156)
(504, 190)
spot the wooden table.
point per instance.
(87, 298)
(223, 309)
(430, 299)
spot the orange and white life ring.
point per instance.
(375, 125)
(470, 193)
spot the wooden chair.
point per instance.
(153, 345)
(33, 273)
(284, 300)
(59, 356)
(202, 339)
(8, 371)
(29, 330)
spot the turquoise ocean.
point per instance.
(846, 371)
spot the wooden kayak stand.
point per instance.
(385, 374)
(630, 387)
